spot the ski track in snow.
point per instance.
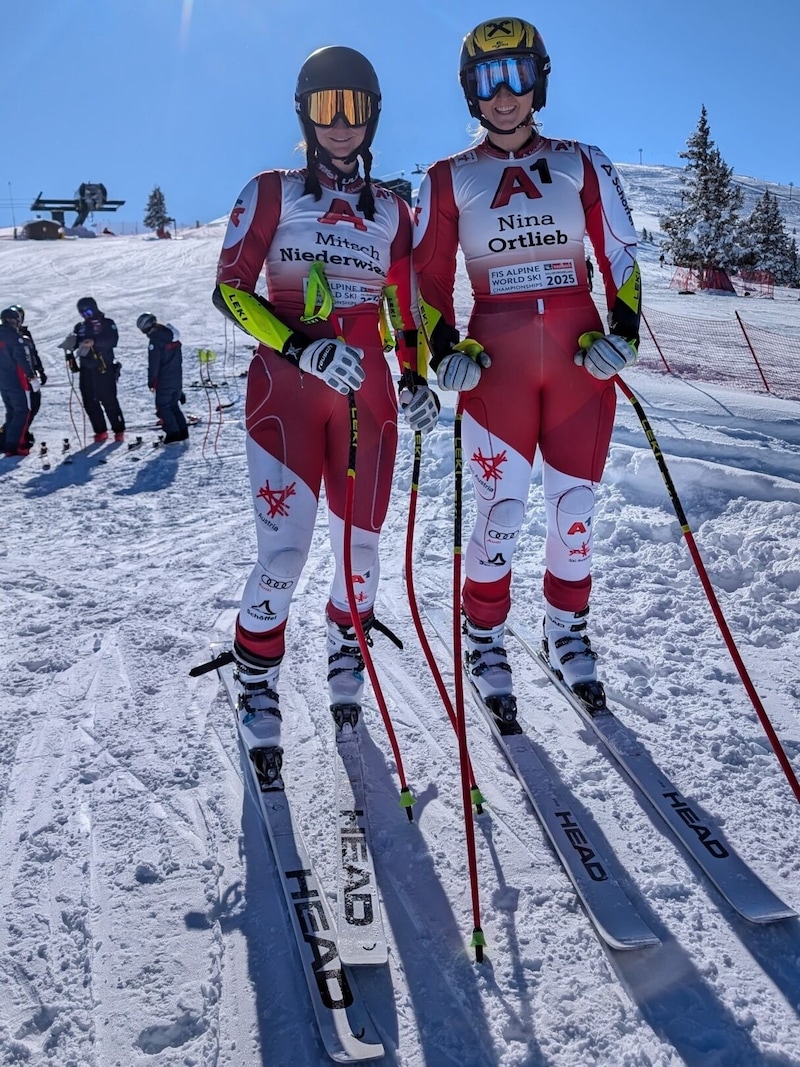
(142, 917)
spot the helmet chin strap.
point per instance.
(325, 157)
(339, 159)
(494, 129)
(312, 139)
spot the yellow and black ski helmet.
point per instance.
(503, 38)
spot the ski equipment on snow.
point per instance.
(611, 911)
(345, 1027)
(359, 921)
(698, 834)
(672, 492)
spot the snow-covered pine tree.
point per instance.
(704, 232)
(794, 265)
(156, 217)
(767, 242)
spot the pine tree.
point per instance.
(156, 217)
(794, 265)
(704, 233)
(768, 244)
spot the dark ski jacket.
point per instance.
(33, 356)
(103, 332)
(164, 360)
(15, 369)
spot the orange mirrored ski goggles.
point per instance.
(324, 106)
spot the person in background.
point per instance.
(589, 272)
(39, 375)
(16, 375)
(320, 342)
(536, 369)
(165, 375)
(93, 358)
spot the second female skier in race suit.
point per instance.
(536, 369)
(333, 243)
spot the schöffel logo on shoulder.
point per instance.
(618, 186)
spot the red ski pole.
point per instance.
(406, 796)
(475, 793)
(763, 717)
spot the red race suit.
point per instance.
(298, 428)
(519, 220)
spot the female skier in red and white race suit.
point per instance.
(334, 244)
(519, 205)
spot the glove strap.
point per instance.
(410, 380)
(586, 340)
(470, 348)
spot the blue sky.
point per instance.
(197, 95)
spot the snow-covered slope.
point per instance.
(141, 920)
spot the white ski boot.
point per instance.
(260, 720)
(487, 664)
(345, 663)
(569, 652)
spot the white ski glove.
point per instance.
(604, 355)
(335, 362)
(461, 370)
(419, 404)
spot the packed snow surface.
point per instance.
(141, 917)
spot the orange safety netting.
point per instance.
(733, 353)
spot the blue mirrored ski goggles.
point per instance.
(517, 73)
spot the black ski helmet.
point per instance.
(146, 322)
(338, 67)
(20, 311)
(87, 303)
(503, 37)
(10, 317)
